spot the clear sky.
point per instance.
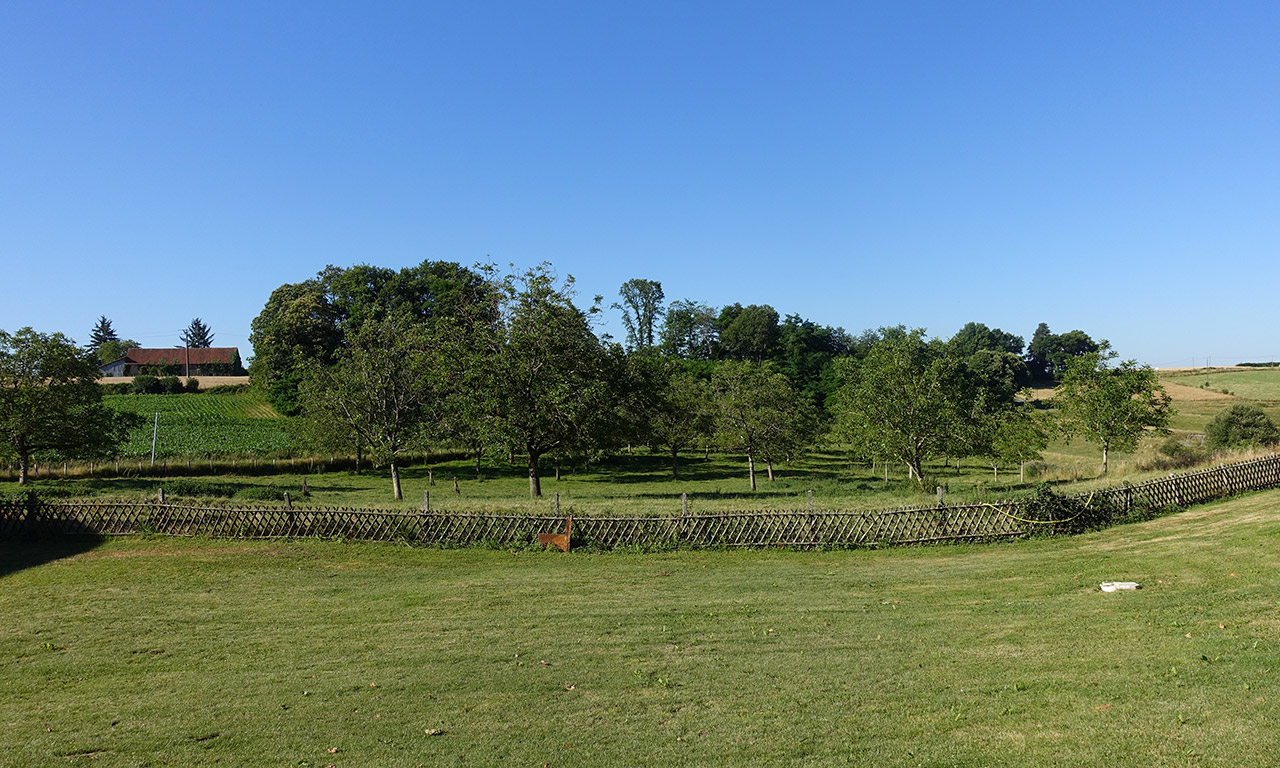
(1113, 167)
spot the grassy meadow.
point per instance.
(166, 652)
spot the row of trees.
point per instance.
(388, 361)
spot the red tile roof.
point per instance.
(178, 356)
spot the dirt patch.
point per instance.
(205, 381)
(1184, 393)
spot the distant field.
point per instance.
(201, 424)
(205, 381)
(169, 652)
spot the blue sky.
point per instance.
(1112, 167)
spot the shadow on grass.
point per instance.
(23, 552)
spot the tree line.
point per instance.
(388, 361)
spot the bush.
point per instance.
(192, 385)
(1173, 454)
(171, 385)
(146, 384)
(121, 388)
(1241, 424)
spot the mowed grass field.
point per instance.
(168, 652)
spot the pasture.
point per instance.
(180, 652)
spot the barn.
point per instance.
(178, 361)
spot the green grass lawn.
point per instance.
(1258, 384)
(158, 652)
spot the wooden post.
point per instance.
(426, 501)
(811, 501)
(456, 489)
(938, 491)
(160, 495)
(557, 503)
(305, 492)
(288, 503)
(684, 505)
(155, 433)
(431, 477)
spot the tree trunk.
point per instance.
(751, 470)
(395, 481)
(675, 464)
(1105, 451)
(769, 465)
(535, 482)
(23, 460)
(478, 464)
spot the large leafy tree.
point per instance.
(908, 400)
(308, 321)
(197, 335)
(50, 400)
(1111, 405)
(642, 312)
(538, 377)
(975, 337)
(383, 391)
(759, 413)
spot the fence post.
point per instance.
(160, 495)
(426, 501)
(684, 505)
(1177, 494)
(288, 503)
(811, 501)
(557, 503)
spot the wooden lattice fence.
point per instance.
(770, 528)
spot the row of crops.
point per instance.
(201, 424)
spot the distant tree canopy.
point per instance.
(1049, 354)
(309, 321)
(517, 367)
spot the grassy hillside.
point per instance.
(188, 652)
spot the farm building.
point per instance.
(179, 361)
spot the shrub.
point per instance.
(120, 388)
(192, 385)
(171, 385)
(147, 384)
(1241, 424)
(1173, 454)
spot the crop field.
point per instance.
(167, 652)
(203, 424)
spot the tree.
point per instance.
(50, 401)
(681, 413)
(1241, 424)
(1111, 406)
(308, 321)
(976, 337)
(689, 330)
(541, 375)
(1048, 354)
(114, 350)
(641, 312)
(907, 400)
(197, 335)
(748, 333)
(758, 412)
(101, 334)
(381, 391)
